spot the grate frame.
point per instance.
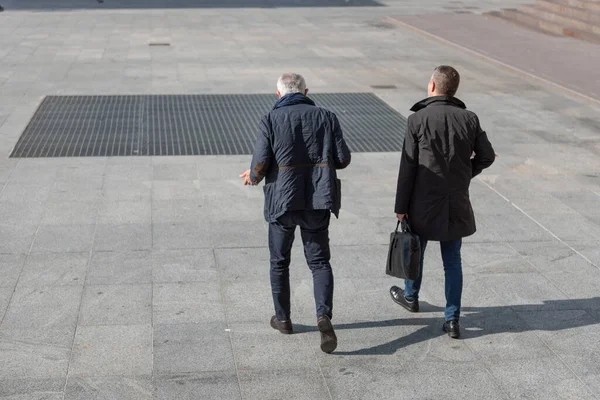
(171, 125)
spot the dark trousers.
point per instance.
(314, 227)
(452, 273)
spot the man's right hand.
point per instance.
(401, 216)
(246, 177)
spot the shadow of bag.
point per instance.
(404, 256)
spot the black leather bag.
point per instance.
(404, 256)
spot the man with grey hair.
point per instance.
(444, 148)
(298, 150)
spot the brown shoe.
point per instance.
(283, 327)
(328, 338)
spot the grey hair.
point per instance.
(291, 83)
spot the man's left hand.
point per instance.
(246, 177)
(400, 217)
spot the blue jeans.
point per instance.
(453, 277)
(314, 228)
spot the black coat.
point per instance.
(298, 149)
(436, 168)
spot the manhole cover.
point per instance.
(82, 126)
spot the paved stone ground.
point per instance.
(140, 278)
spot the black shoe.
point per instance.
(328, 338)
(452, 329)
(283, 327)
(398, 297)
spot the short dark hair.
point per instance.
(446, 80)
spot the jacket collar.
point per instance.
(292, 99)
(448, 100)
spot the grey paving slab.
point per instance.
(179, 211)
(138, 170)
(36, 389)
(92, 171)
(108, 268)
(11, 266)
(127, 190)
(6, 169)
(307, 383)
(58, 334)
(552, 325)
(538, 379)
(20, 191)
(504, 337)
(54, 269)
(418, 381)
(123, 237)
(32, 173)
(22, 212)
(198, 302)
(79, 190)
(592, 383)
(358, 232)
(184, 266)
(180, 235)
(175, 172)
(577, 283)
(192, 348)
(577, 347)
(116, 305)
(108, 387)
(258, 346)
(494, 258)
(172, 190)
(5, 296)
(207, 385)
(125, 212)
(589, 249)
(187, 224)
(37, 307)
(63, 238)
(112, 350)
(244, 264)
(32, 361)
(255, 306)
(70, 213)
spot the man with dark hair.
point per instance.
(444, 148)
(298, 150)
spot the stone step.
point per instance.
(591, 5)
(566, 21)
(563, 8)
(517, 16)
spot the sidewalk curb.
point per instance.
(591, 101)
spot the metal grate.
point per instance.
(83, 126)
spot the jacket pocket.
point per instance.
(269, 192)
(337, 202)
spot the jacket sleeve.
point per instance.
(341, 152)
(484, 152)
(409, 165)
(263, 157)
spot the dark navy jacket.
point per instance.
(297, 151)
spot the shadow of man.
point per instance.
(551, 315)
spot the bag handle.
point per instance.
(405, 227)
